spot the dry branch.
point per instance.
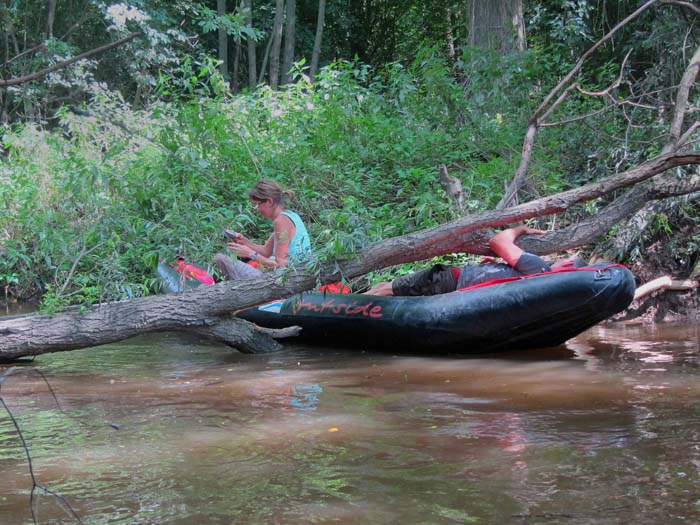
(449, 237)
(452, 186)
(550, 103)
(687, 5)
(42, 46)
(637, 223)
(681, 108)
(65, 63)
(664, 283)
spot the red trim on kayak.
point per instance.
(518, 278)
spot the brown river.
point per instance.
(170, 429)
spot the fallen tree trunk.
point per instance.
(110, 322)
(207, 310)
(452, 236)
(586, 231)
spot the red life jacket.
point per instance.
(191, 271)
(338, 287)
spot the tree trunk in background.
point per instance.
(223, 40)
(50, 18)
(497, 25)
(450, 38)
(252, 60)
(138, 95)
(276, 44)
(266, 56)
(315, 55)
(236, 62)
(4, 94)
(289, 38)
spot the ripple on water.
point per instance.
(598, 432)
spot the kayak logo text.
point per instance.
(340, 308)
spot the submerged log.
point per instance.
(79, 327)
(664, 283)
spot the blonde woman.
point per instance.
(289, 242)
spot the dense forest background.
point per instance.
(132, 130)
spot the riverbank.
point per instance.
(664, 305)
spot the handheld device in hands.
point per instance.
(230, 234)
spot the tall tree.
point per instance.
(449, 35)
(289, 38)
(236, 63)
(223, 39)
(276, 44)
(496, 24)
(50, 18)
(252, 60)
(317, 40)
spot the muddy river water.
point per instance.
(170, 429)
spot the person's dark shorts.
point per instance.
(529, 264)
(433, 281)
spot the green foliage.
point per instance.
(88, 209)
(233, 23)
(567, 23)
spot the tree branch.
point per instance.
(66, 63)
(687, 5)
(449, 237)
(576, 119)
(691, 72)
(83, 252)
(664, 283)
(682, 141)
(588, 230)
(544, 109)
(613, 103)
(43, 44)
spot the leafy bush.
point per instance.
(87, 209)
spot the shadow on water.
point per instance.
(601, 430)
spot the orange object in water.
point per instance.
(190, 271)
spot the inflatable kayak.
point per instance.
(536, 311)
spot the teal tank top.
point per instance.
(300, 245)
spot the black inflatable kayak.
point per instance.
(532, 312)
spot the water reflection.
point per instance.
(177, 430)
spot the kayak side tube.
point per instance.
(534, 312)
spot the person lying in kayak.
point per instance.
(289, 242)
(444, 279)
